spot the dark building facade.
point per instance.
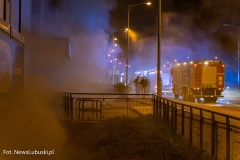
(11, 48)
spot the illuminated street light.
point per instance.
(128, 29)
(113, 57)
(234, 27)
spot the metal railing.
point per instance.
(93, 107)
(213, 132)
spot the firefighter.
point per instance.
(137, 84)
(144, 83)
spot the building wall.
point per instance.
(11, 48)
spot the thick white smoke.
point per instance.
(32, 119)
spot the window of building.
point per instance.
(10, 12)
(1, 8)
(15, 14)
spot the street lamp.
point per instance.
(128, 30)
(159, 79)
(113, 56)
(234, 27)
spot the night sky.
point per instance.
(204, 15)
(191, 29)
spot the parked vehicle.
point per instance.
(198, 79)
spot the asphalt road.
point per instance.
(230, 101)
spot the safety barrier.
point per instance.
(213, 132)
(94, 107)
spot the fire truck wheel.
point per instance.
(185, 93)
(191, 98)
(176, 96)
(198, 100)
(185, 97)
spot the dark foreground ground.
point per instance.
(125, 138)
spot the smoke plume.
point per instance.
(31, 121)
(191, 30)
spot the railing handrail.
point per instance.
(180, 103)
(92, 93)
(203, 109)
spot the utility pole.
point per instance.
(159, 79)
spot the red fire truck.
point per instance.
(198, 79)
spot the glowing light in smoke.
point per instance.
(148, 3)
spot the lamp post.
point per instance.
(235, 27)
(128, 30)
(159, 79)
(113, 50)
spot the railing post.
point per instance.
(190, 125)
(101, 110)
(214, 136)
(183, 120)
(155, 106)
(201, 130)
(228, 129)
(172, 116)
(175, 111)
(167, 112)
(66, 105)
(78, 104)
(127, 104)
(160, 107)
(96, 109)
(71, 108)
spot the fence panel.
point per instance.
(92, 107)
(213, 132)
